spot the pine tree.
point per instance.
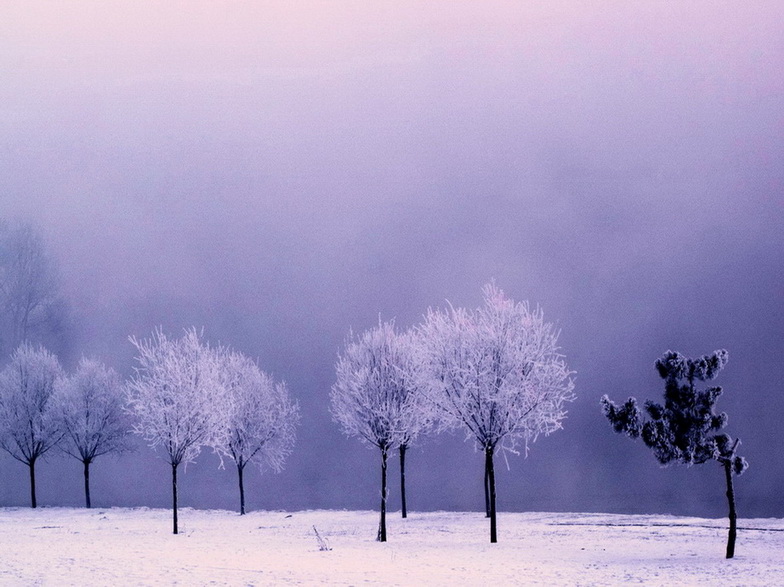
(685, 429)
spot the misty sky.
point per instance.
(280, 172)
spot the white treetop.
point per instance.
(262, 418)
(496, 371)
(176, 394)
(91, 405)
(375, 396)
(416, 410)
(29, 427)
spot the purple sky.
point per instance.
(279, 175)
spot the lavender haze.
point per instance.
(281, 174)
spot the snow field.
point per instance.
(135, 546)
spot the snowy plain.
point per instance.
(135, 546)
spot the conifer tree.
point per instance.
(685, 429)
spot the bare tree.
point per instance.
(91, 407)
(30, 304)
(372, 396)
(176, 396)
(29, 427)
(261, 420)
(497, 373)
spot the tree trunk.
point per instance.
(732, 515)
(487, 491)
(87, 483)
(382, 525)
(174, 497)
(240, 469)
(491, 484)
(403, 448)
(33, 503)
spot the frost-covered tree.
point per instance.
(91, 406)
(497, 373)
(31, 307)
(685, 429)
(261, 420)
(374, 397)
(416, 411)
(177, 397)
(29, 426)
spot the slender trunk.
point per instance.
(733, 515)
(403, 448)
(87, 483)
(33, 503)
(487, 490)
(174, 497)
(382, 525)
(491, 485)
(240, 469)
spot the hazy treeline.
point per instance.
(184, 395)
(494, 372)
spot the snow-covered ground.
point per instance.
(121, 546)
